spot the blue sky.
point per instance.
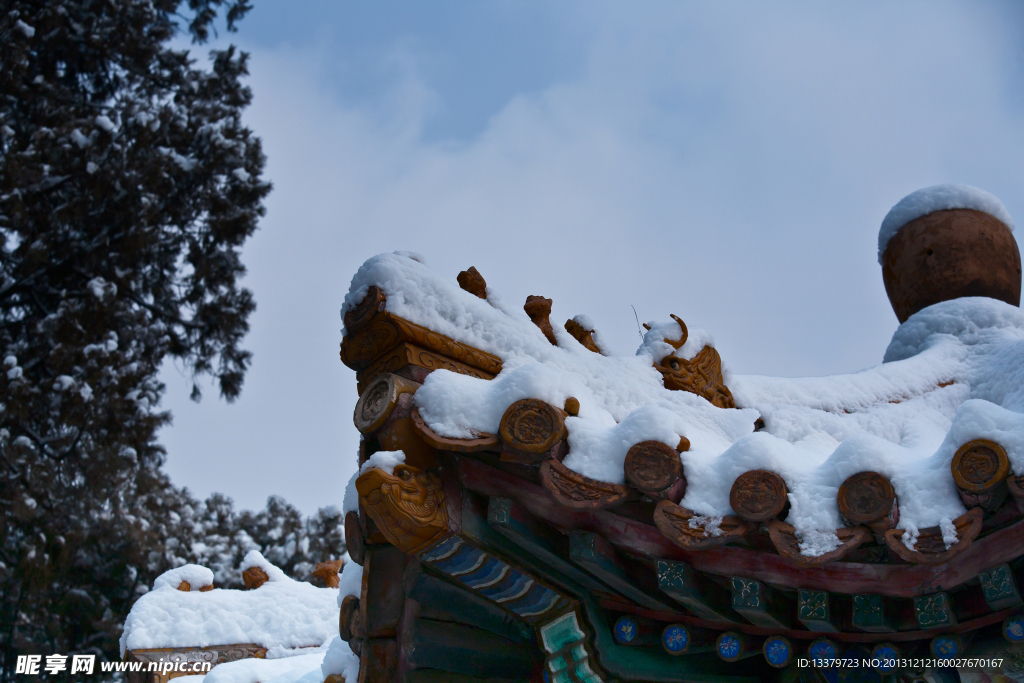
(726, 162)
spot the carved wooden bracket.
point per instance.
(930, 548)
(758, 495)
(690, 531)
(868, 498)
(576, 491)
(473, 282)
(702, 375)
(539, 310)
(784, 538)
(355, 541)
(408, 506)
(348, 626)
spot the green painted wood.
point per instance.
(627, 663)
(516, 524)
(815, 610)
(594, 554)
(759, 604)
(934, 611)
(686, 586)
(468, 650)
(870, 614)
(999, 588)
(443, 601)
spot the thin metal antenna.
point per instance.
(637, 322)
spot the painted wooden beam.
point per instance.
(815, 610)
(870, 614)
(645, 540)
(701, 596)
(516, 524)
(1000, 588)
(934, 611)
(444, 601)
(594, 554)
(471, 651)
(627, 663)
(684, 639)
(760, 604)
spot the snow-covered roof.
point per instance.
(939, 198)
(282, 614)
(952, 373)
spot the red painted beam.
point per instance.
(637, 538)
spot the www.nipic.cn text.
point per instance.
(33, 665)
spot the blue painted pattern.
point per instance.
(728, 646)
(887, 656)
(675, 638)
(625, 630)
(822, 650)
(1013, 628)
(778, 651)
(945, 647)
(492, 578)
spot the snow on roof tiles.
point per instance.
(953, 372)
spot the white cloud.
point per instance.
(728, 163)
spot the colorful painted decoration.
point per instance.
(1013, 628)
(946, 646)
(778, 651)
(884, 658)
(822, 651)
(625, 630)
(675, 639)
(729, 646)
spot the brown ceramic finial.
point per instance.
(327, 572)
(539, 308)
(254, 577)
(582, 335)
(950, 254)
(473, 282)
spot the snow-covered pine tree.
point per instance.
(128, 184)
(218, 537)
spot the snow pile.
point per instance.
(384, 460)
(939, 198)
(282, 615)
(953, 372)
(303, 668)
(197, 577)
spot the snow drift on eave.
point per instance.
(897, 419)
(939, 198)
